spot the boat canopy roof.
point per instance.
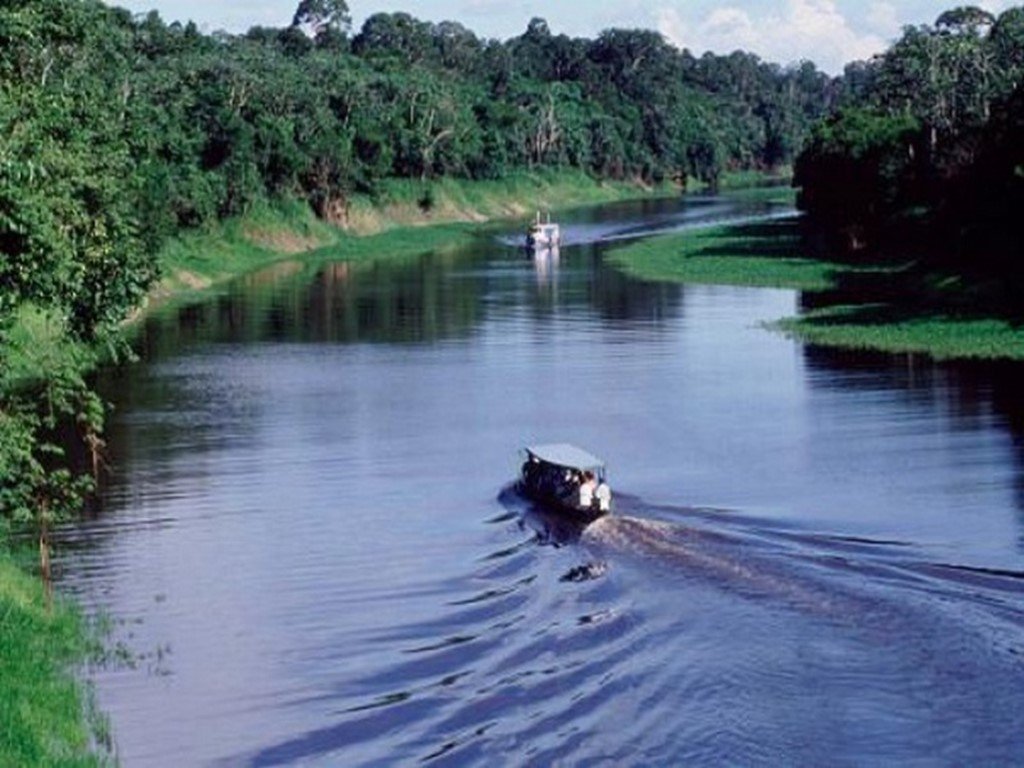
(565, 455)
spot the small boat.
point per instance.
(565, 479)
(543, 235)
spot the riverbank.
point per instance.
(884, 307)
(760, 255)
(406, 218)
(46, 714)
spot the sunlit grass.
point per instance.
(737, 180)
(406, 202)
(770, 255)
(405, 218)
(46, 718)
(874, 327)
(195, 260)
(780, 195)
(763, 255)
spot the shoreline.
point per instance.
(771, 255)
(397, 225)
(48, 714)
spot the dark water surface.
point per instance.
(818, 558)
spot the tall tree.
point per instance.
(323, 16)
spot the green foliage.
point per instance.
(855, 165)
(926, 147)
(68, 235)
(43, 394)
(885, 328)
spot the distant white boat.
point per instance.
(543, 235)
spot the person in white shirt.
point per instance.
(587, 488)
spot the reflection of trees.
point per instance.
(621, 299)
(414, 301)
(972, 392)
(579, 280)
(417, 302)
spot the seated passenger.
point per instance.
(587, 488)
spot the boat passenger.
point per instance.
(587, 488)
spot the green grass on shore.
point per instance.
(776, 194)
(46, 715)
(404, 202)
(195, 260)
(918, 317)
(737, 180)
(406, 218)
(766, 255)
(884, 328)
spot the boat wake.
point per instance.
(591, 234)
(705, 636)
(842, 578)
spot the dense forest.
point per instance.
(924, 153)
(118, 131)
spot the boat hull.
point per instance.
(556, 503)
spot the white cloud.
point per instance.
(730, 24)
(997, 6)
(883, 19)
(803, 29)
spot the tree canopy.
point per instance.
(924, 146)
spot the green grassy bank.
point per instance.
(405, 218)
(46, 714)
(888, 328)
(884, 308)
(765, 255)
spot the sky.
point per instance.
(828, 32)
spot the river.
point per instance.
(309, 554)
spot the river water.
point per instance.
(308, 549)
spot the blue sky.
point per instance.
(828, 32)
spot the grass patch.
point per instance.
(407, 202)
(779, 194)
(397, 244)
(766, 255)
(196, 260)
(737, 180)
(46, 715)
(900, 310)
(886, 328)
(405, 218)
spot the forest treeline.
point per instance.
(924, 153)
(118, 131)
